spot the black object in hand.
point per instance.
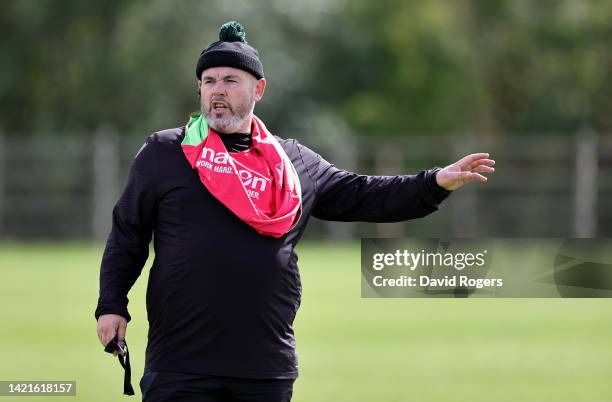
(124, 359)
(115, 346)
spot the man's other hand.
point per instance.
(465, 170)
(110, 325)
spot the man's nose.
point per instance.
(218, 88)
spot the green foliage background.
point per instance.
(388, 67)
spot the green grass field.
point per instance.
(350, 349)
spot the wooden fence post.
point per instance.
(105, 183)
(585, 191)
(464, 210)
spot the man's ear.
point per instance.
(199, 86)
(260, 87)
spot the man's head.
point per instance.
(230, 81)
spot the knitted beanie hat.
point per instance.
(231, 50)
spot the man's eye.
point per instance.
(233, 81)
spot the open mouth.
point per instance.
(218, 106)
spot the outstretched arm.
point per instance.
(341, 195)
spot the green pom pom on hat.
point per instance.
(232, 31)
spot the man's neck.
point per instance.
(246, 126)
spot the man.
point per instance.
(228, 202)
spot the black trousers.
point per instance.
(158, 386)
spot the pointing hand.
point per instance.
(465, 170)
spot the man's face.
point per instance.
(228, 97)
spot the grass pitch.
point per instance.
(350, 349)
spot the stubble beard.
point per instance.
(232, 122)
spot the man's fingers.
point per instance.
(106, 332)
(451, 179)
(478, 177)
(110, 325)
(478, 162)
(121, 330)
(483, 169)
(467, 160)
(469, 176)
(99, 332)
(107, 336)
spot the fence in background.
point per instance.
(64, 187)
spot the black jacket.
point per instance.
(221, 298)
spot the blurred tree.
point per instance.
(472, 65)
(58, 66)
(545, 63)
(385, 67)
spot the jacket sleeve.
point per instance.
(127, 247)
(341, 195)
